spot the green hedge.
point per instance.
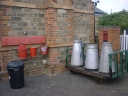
(115, 19)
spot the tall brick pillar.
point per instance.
(65, 21)
(59, 31)
(4, 29)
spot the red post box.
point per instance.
(105, 36)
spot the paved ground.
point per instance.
(67, 84)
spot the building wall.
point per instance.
(83, 26)
(15, 21)
(59, 26)
(61, 21)
(83, 22)
(113, 37)
(24, 20)
(59, 30)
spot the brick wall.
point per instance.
(83, 4)
(58, 26)
(4, 56)
(59, 30)
(84, 23)
(113, 36)
(26, 20)
(61, 21)
(83, 26)
(4, 18)
(14, 22)
(56, 60)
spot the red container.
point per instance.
(22, 52)
(33, 51)
(44, 50)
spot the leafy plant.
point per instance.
(115, 19)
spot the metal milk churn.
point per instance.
(77, 58)
(104, 59)
(91, 60)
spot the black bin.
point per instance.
(16, 74)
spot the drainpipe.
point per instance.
(95, 4)
(94, 25)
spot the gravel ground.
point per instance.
(67, 84)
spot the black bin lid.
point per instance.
(15, 64)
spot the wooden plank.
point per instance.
(60, 45)
(10, 48)
(9, 41)
(90, 73)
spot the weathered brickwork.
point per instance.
(59, 27)
(14, 22)
(83, 26)
(59, 30)
(83, 4)
(84, 23)
(32, 1)
(25, 20)
(56, 60)
(4, 19)
(113, 36)
(61, 21)
(32, 65)
(4, 56)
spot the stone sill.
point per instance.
(60, 45)
(21, 4)
(11, 48)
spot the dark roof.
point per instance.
(98, 11)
